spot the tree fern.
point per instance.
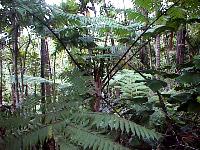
(94, 23)
(27, 138)
(89, 139)
(126, 80)
(102, 120)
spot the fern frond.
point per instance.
(66, 145)
(102, 120)
(13, 122)
(92, 140)
(27, 138)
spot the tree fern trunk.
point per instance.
(15, 54)
(180, 46)
(98, 87)
(45, 72)
(158, 51)
(42, 74)
(143, 52)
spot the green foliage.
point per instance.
(133, 15)
(189, 78)
(126, 81)
(177, 12)
(158, 29)
(114, 122)
(89, 139)
(31, 80)
(137, 98)
(155, 84)
(66, 118)
(196, 61)
(131, 99)
(147, 4)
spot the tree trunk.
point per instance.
(24, 88)
(180, 46)
(166, 48)
(45, 72)
(48, 74)
(150, 56)
(15, 49)
(1, 74)
(157, 51)
(98, 91)
(42, 74)
(171, 41)
(144, 52)
(49, 144)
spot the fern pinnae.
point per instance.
(106, 120)
(92, 142)
(132, 129)
(101, 145)
(125, 125)
(117, 123)
(111, 122)
(78, 134)
(121, 123)
(95, 146)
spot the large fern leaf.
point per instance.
(102, 120)
(89, 139)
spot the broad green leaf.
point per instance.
(158, 29)
(190, 106)
(155, 84)
(177, 12)
(189, 77)
(196, 61)
(180, 98)
(147, 4)
(132, 15)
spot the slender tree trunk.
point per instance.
(171, 44)
(144, 52)
(180, 46)
(15, 55)
(98, 87)
(24, 88)
(166, 48)
(35, 86)
(22, 80)
(54, 78)
(157, 51)
(48, 74)
(1, 74)
(150, 56)
(42, 74)
(45, 73)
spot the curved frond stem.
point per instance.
(111, 75)
(137, 39)
(56, 36)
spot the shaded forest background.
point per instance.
(76, 77)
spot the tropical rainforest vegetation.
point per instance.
(88, 75)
